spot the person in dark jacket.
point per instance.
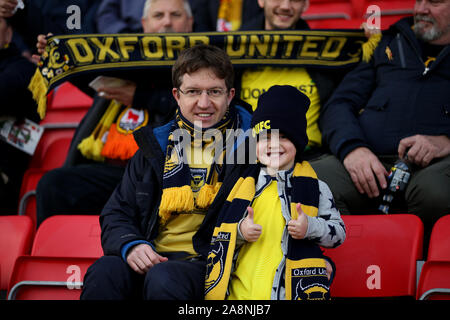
(17, 102)
(83, 187)
(397, 105)
(157, 225)
(44, 16)
(317, 84)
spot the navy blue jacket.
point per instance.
(131, 214)
(392, 97)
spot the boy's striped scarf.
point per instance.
(305, 272)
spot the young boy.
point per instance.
(288, 213)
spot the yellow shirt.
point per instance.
(257, 81)
(258, 261)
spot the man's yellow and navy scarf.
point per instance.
(305, 272)
(178, 195)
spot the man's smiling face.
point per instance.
(282, 14)
(203, 110)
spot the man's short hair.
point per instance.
(148, 3)
(203, 57)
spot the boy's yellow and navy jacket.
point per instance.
(301, 270)
(402, 91)
(131, 214)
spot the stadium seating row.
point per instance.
(379, 258)
(66, 106)
(349, 14)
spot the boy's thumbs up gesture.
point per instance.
(249, 229)
(297, 227)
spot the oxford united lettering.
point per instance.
(67, 56)
(96, 52)
(242, 48)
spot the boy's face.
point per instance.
(275, 151)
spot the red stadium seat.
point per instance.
(393, 7)
(329, 9)
(68, 236)
(439, 246)
(67, 96)
(16, 237)
(66, 106)
(48, 278)
(378, 257)
(63, 248)
(63, 118)
(336, 24)
(392, 11)
(27, 197)
(50, 153)
(434, 282)
(52, 149)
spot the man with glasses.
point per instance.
(82, 186)
(158, 223)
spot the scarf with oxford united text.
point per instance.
(68, 56)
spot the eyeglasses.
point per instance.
(212, 93)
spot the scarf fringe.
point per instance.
(38, 87)
(91, 147)
(177, 199)
(368, 47)
(207, 194)
(118, 145)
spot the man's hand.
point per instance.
(297, 228)
(7, 7)
(124, 94)
(423, 149)
(142, 257)
(368, 32)
(365, 169)
(249, 229)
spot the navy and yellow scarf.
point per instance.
(305, 272)
(178, 195)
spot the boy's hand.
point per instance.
(297, 228)
(249, 229)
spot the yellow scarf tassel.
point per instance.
(207, 194)
(369, 46)
(176, 199)
(38, 87)
(91, 147)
